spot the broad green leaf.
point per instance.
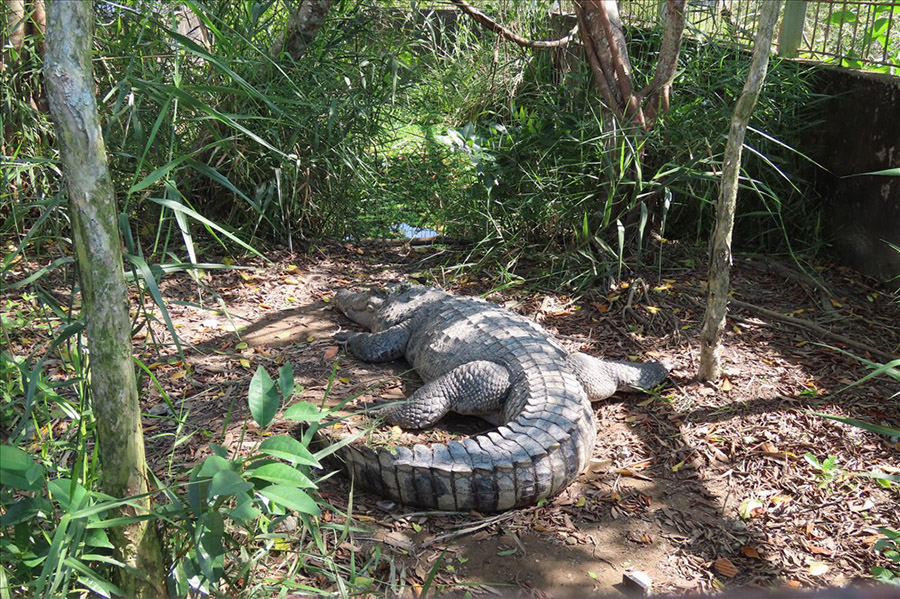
(210, 530)
(304, 412)
(290, 449)
(245, 509)
(213, 465)
(842, 16)
(286, 380)
(228, 482)
(18, 470)
(23, 510)
(291, 498)
(263, 398)
(276, 472)
(97, 537)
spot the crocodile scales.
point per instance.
(477, 358)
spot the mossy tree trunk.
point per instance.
(70, 86)
(304, 21)
(720, 243)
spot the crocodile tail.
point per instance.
(534, 457)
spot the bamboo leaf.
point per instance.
(196, 216)
(153, 289)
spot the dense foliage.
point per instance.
(400, 115)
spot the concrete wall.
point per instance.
(861, 133)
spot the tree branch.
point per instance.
(607, 92)
(512, 36)
(607, 12)
(657, 91)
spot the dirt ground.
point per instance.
(700, 487)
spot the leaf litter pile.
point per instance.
(696, 488)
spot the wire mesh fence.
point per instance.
(862, 34)
(853, 33)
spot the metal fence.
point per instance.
(861, 34)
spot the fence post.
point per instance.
(792, 28)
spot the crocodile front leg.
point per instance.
(602, 378)
(383, 346)
(476, 388)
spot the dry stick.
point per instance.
(512, 36)
(801, 277)
(803, 324)
(809, 325)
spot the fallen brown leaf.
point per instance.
(724, 567)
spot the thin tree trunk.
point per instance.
(720, 243)
(15, 24)
(99, 257)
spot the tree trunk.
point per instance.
(98, 252)
(304, 22)
(720, 243)
(601, 32)
(604, 43)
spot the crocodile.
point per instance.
(477, 358)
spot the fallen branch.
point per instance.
(811, 326)
(803, 324)
(512, 36)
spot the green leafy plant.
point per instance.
(889, 547)
(57, 532)
(873, 37)
(827, 470)
(233, 500)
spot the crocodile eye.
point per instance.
(374, 304)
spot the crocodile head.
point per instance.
(378, 309)
(360, 306)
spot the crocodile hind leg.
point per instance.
(602, 378)
(476, 388)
